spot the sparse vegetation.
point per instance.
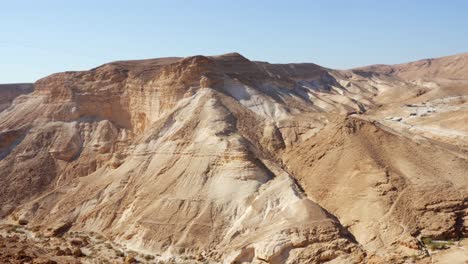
(15, 229)
(69, 245)
(435, 245)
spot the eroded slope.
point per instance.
(228, 160)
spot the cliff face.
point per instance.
(225, 159)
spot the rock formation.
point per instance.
(228, 160)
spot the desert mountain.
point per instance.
(221, 159)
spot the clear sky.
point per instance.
(38, 38)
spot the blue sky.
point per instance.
(38, 38)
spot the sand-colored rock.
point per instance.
(228, 160)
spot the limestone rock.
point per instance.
(227, 160)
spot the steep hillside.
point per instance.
(226, 160)
(385, 188)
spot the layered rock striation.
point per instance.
(233, 161)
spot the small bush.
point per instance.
(432, 245)
(437, 246)
(426, 240)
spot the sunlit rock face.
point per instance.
(228, 160)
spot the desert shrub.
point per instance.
(426, 240)
(433, 245)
